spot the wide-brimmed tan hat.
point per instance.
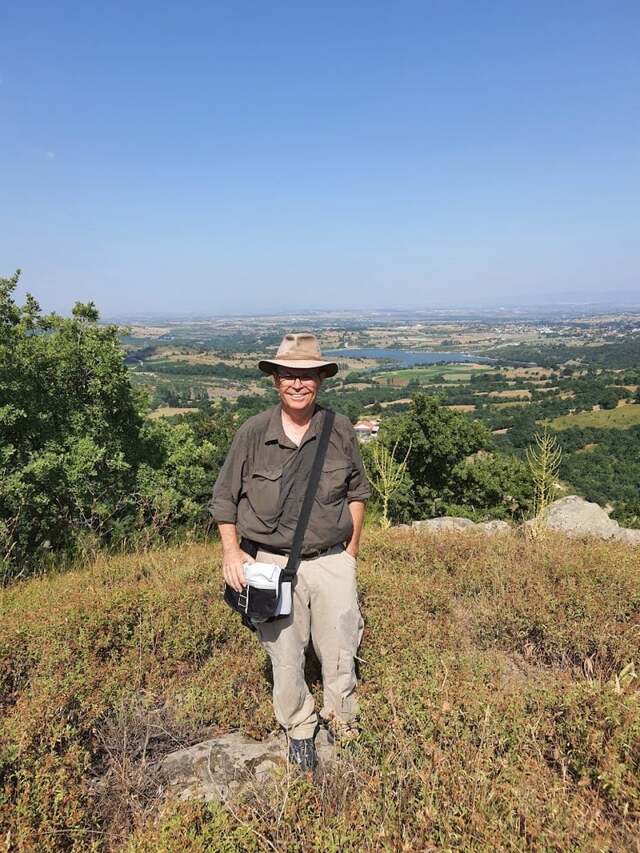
(301, 350)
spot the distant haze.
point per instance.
(218, 158)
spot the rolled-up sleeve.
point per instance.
(223, 504)
(359, 488)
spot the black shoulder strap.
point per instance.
(312, 488)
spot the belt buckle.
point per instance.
(317, 553)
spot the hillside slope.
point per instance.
(495, 710)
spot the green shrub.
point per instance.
(79, 467)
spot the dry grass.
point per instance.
(622, 417)
(529, 373)
(496, 709)
(512, 392)
(169, 411)
(387, 403)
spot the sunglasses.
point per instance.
(303, 377)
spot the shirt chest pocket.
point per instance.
(334, 481)
(263, 493)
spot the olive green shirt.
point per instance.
(261, 486)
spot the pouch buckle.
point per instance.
(243, 598)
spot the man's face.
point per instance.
(297, 387)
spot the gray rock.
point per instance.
(225, 767)
(446, 523)
(573, 516)
(493, 528)
(628, 535)
(449, 523)
(577, 518)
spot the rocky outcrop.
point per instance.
(578, 518)
(445, 523)
(230, 765)
(449, 523)
(628, 535)
(572, 516)
(490, 528)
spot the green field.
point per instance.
(511, 404)
(621, 418)
(424, 375)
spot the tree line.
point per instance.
(83, 468)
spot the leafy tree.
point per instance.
(608, 398)
(79, 467)
(603, 465)
(492, 485)
(449, 467)
(436, 439)
(69, 427)
(176, 476)
(627, 513)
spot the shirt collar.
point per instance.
(275, 432)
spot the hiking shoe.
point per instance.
(339, 733)
(303, 753)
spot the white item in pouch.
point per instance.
(284, 605)
(262, 575)
(266, 576)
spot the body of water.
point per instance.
(403, 357)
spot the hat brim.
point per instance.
(329, 368)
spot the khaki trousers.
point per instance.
(324, 610)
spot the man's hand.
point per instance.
(233, 557)
(356, 508)
(232, 567)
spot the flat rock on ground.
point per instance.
(573, 516)
(629, 535)
(445, 523)
(225, 767)
(452, 523)
(491, 528)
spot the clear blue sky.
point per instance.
(220, 157)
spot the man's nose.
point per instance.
(297, 382)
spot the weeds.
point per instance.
(499, 704)
(543, 458)
(388, 475)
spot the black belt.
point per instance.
(282, 552)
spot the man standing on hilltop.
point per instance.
(258, 495)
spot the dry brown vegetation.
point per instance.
(529, 373)
(499, 704)
(512, 392)
(169, 411)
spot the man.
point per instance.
(258, 495)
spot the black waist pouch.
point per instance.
(257, 605)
